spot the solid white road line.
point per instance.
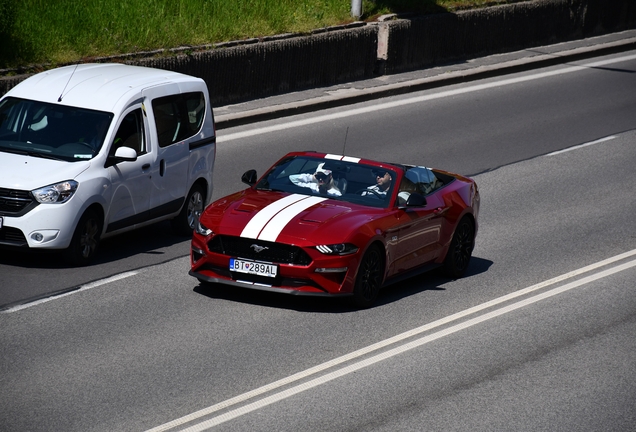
(382, 344)
(388, 105)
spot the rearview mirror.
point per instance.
(249, 177)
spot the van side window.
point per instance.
(178, 117)
(131, 133)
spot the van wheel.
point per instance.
(85, 240)
(193, 206)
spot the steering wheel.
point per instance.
(373, 191)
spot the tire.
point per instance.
(369, 278)
(183, 224)
(460, 250)
(85, 241)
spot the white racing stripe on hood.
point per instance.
(277, 223)
(258, 222)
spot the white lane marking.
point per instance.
(274, 227)
(81, 288)
(388, 105)
(260, 219)
(215, 421)
(576, 147)
(382, 344)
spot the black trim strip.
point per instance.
(202, 143)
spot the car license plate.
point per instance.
(253, 267)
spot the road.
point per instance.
(538, 336)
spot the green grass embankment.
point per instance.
(64, 31)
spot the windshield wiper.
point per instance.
(32, 153)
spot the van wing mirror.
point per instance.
(249, 177)
(122, 154)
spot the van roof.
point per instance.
(94, 86)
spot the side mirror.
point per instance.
(416, 200)
(249, 177)
(122, 154)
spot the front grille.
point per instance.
(246, 248)
(15, 202)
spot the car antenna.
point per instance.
(345, 141)
(69, 80)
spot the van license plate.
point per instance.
(253, 267)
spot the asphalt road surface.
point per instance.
(538, 336)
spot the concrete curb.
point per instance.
(352, 96)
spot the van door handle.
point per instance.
(162, 167)
(145, 167)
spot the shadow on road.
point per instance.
(430, 281)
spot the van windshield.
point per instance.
(50, 130)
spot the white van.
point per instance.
(95, 150)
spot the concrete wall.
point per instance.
(256, 69)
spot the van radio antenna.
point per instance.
(69, 80)
(345, 142)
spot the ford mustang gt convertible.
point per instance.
(324, 224)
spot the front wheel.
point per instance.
(183, 224)
(369, 279)
(460, 250)
(85, 240)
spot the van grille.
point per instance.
(15, 202)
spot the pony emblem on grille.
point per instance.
(258, 249)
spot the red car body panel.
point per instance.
(289, 223)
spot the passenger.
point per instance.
(321, 181)
(383, 181)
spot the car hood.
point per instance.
(282, 217)
(28, 172)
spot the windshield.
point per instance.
(337, 179)
(50, 130)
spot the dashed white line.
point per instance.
(576, 147)
(81, 288)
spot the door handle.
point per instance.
(145, 167)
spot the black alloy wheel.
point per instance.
(461, 249)
(369, 279)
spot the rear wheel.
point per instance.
(183, 224)
(85, 240)
(461, 249)
(369, 279)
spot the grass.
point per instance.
(66, 31)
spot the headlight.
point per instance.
(56, 193)
(337, 249)
(201, 229)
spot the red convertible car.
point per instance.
(324, 224)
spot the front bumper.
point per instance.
(326, 275)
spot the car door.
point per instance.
(176, 117)
(131, 181)
(416, 235)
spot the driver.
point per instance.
(382, 184)
(321, 181)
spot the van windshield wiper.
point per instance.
(32, 153)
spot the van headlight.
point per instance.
(56, 193)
